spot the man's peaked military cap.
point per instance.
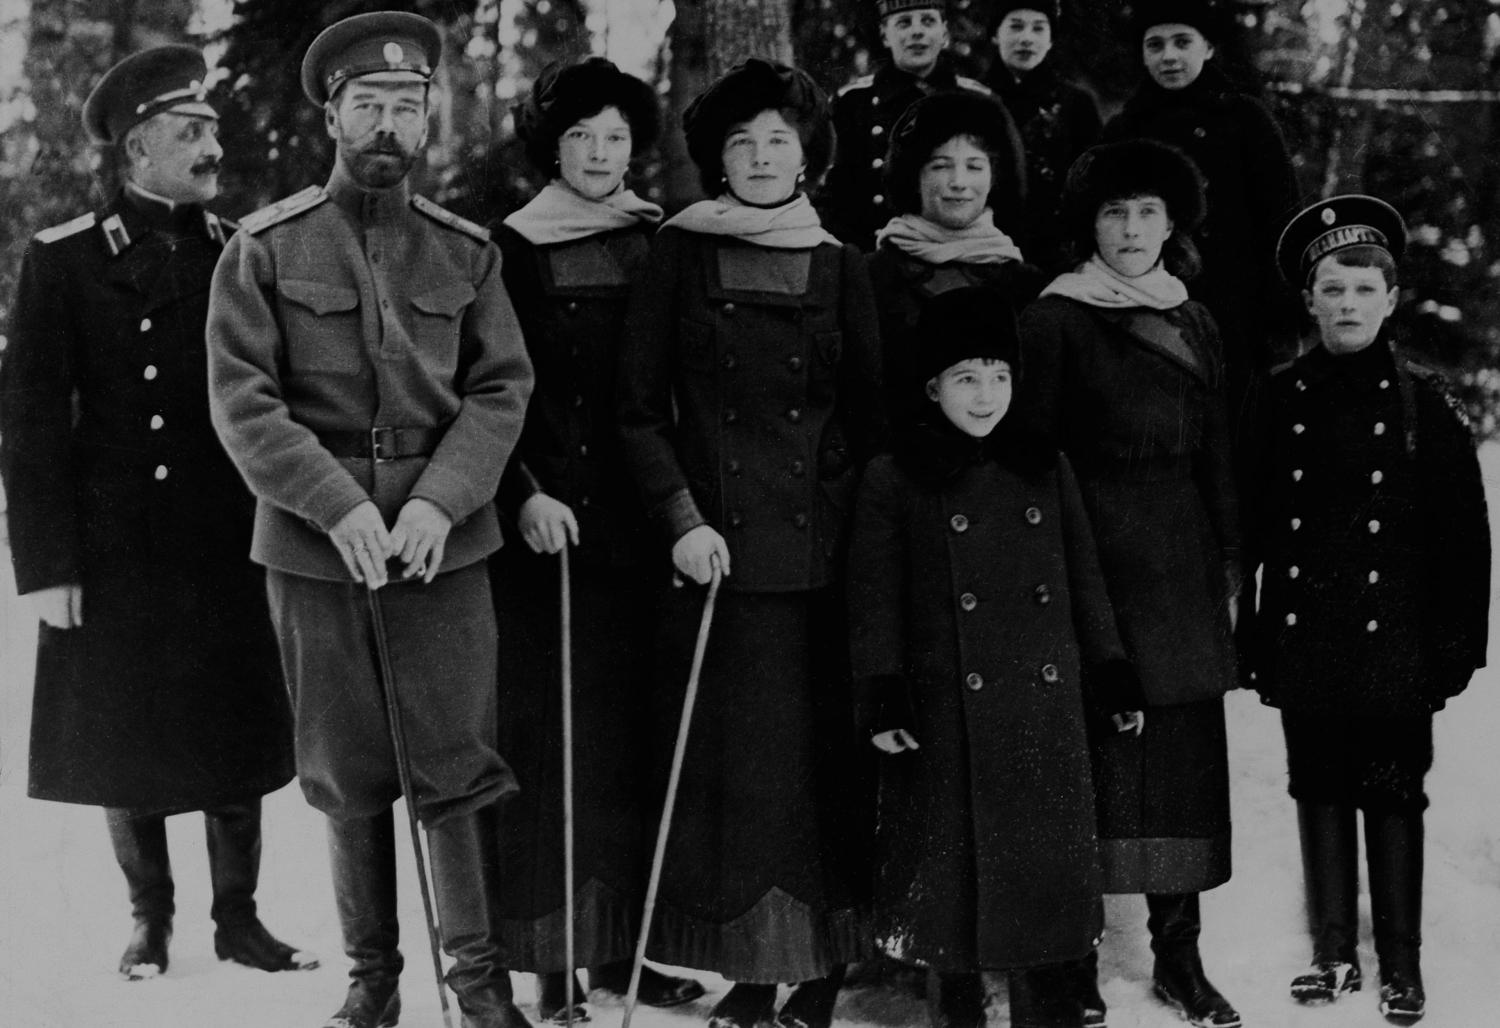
(164, 78)
(1335, 224)
(398, 44)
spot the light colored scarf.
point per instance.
(560, 214)
(792, 226)
(1098, 285)
(978, 243)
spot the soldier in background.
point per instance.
(158, 688)
(852, 202)
(369, 381)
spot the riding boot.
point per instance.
(234, 869)
(955, 999)
(1177, 978)
(1330, 873)
(811, 1003)
(1393, 847)
(1085, 977)
(140, 845)
(362, 852)
(464, 850)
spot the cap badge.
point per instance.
(1328, 216)
(393, 54)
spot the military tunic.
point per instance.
(346, 316)
(169, 696)
(852, 201)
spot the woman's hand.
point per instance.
(897, 740)
(1130, 721)
(547, 524)
(694, 553)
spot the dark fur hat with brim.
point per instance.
(931, 122)
(971, 323)
(1335, 224)
(565, 94)
(743, 92)
(1126, 169)
(1206, 17)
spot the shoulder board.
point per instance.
(66, 229)
(281, 210)
(973, 84)
(1282, 368)
(863, 82)
(1439, 383)
(446, 217)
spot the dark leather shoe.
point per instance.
(491, 1007)
(745, 1005)
(1326, 981)
(250, 944)
(552, 998)
(656, 989)
(1180, 983)
(1402, 999)
(146, 955)
(368, 1006)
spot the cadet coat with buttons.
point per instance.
(170, 695)
(981, 589)
(750, 395)
(1375, 591)
(852, 201)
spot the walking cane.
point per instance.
(387, 679)
(567, 756)
(673, 780)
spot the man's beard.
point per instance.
(380, 165)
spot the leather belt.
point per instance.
(387, 443)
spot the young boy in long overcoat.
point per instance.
(982, 636)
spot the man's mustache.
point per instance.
(207, 166)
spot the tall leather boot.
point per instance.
(1046, 997)
(362, 852)
(464, 851)
(955, 1000)
(140, 845)
(1178, 979)
(1393, 847)
(1330, 874)
(234, 869)
(1085, 976)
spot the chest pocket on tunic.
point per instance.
(321, 326)
(437, 323)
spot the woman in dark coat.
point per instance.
(570, 256)
(1124, 372)
(1250, 188)
(978, 618)
(1374, 600)
(954, 158)
(749, 397)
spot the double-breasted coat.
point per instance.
(1372, 530)
(1133, 398)
(852, 201)
(978, 589)
(749, 398)
(169, 696)
(570, 300)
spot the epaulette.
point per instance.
(446, 217)
(281, 210)
(66, 229)
(863, 82)
(974, 84)
(1439, 383)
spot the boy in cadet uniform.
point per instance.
(1374, 599)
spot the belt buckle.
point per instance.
(382, 444)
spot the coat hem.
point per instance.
(1165, 865)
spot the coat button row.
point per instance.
(958, 523)
(968, 601)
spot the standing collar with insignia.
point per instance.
(367, 206)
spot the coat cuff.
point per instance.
(1113, 687)
(883, 703)
(680, 514)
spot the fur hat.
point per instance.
(1128, 168)
(1203, 15)
(969, 323)
(933, 120)
(747, 89)
(565, 94)
(1051, 8)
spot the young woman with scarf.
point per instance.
(1124, 373)
(954, 162)
(570, 256)
(749, 398)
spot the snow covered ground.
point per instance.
(64, 916)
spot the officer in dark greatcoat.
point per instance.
(369, 380)
(158, 689)
(852, 202)
(1374, 597)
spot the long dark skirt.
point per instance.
(613, 619)
(1163, 801)
(770, 840)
